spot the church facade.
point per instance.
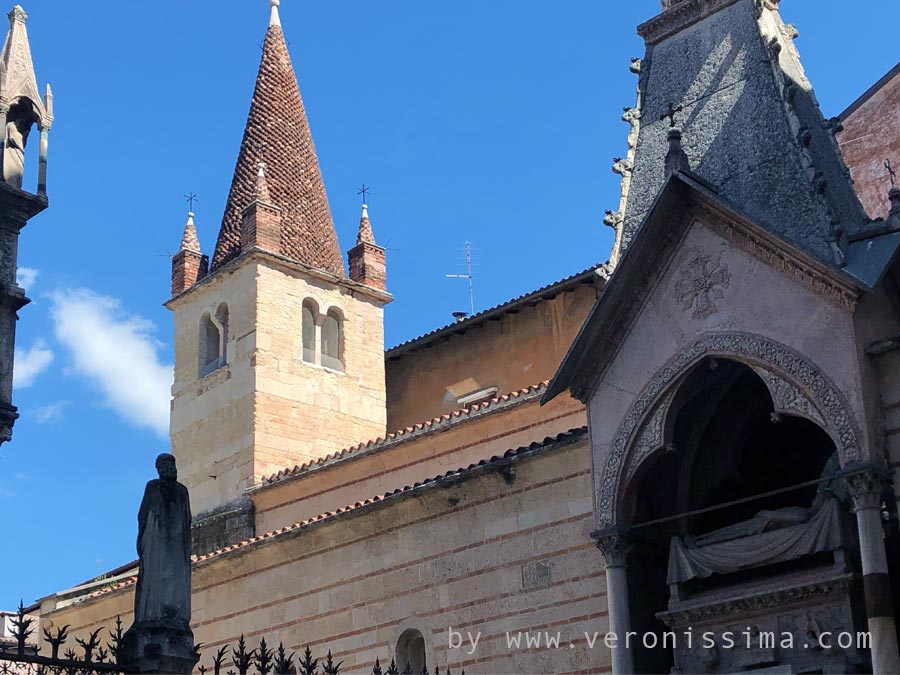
(441, 503)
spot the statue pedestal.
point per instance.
(159, 648)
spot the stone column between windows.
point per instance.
(318, 320)
(866, 484)
(615, 544)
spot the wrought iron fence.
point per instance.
(94, 657)
(23, 657)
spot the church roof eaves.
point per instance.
(547, 292)
(464, 473)
(474, 411)
(495, 462)
(871, 91)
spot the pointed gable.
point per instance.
(727, 75)
(278, 134)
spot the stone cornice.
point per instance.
(701, 611)
(277, 260)
(679, 17)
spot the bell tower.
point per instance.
(21, 111)
(279, 355)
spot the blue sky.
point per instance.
(494, 122)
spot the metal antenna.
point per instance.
(467, 275)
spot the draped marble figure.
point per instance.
(160, 640)
(163, 594)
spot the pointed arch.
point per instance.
(797, 387)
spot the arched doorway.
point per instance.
(730, 475)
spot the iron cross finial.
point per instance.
(191, 198)
(364, 191)
(891, 172)
(671, 112)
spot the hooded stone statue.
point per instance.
(160, 639)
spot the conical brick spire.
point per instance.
(278, 134)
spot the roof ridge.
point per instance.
(466, 322)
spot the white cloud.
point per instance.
(52, 413)
(25, 276)
(118, 353)
(31, 363)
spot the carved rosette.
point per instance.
(753, 349)
(615, 544)
(701, 285)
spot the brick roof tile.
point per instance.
(278, 134)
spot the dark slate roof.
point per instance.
(532, 297)
(278, 134)
(750, 122)
(609, 320)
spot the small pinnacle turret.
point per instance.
(262, 186)
(189, 265)
(261, 220)
(365, 236)
(190, 241)
(367, 262)
(676, 158)
(893, 218)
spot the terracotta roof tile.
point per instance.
(548, 443)
(519, 396)
(278, 134)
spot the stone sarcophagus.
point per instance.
(777, 593)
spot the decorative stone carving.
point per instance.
(701, 285)
(787, 398)
(865, 487)
(753, 350)
(652, 436)
(615, 545)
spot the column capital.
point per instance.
(615, 543)
(865, 482)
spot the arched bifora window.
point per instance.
(410, 652)
(309, 332)
(213, 340)
(332, 341)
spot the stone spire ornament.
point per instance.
(21, 106)
(893, 218)
(274, 18)
(676, 158)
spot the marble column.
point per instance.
(614, 543)
(866, 484)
